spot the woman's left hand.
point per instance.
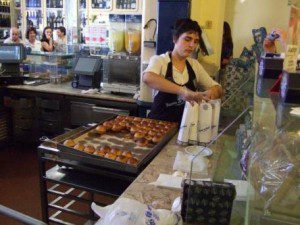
(213, 93)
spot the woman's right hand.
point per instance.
(192, 96)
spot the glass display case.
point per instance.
(257, 150)
(208, 197)
(44, 65)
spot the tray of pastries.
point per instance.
(123, 143)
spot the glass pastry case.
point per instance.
(43, 65)
(257, 150)
(209, 198)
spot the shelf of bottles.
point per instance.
(4, 14)
(126, 4)
(54, 4)
(55, 19)
(18, 14)
(101, 4)
(34, 15)
(33, 4)
(82, 4)
(4, 7)
(54, 13)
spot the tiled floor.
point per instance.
(19, 181)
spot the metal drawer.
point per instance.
(49, 104)
(22, 103)
(50, 126)
(81, 113)
(50, 115)
(84, 113)
(103, 113)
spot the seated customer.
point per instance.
(47, 40)
(31, 40)
(14, 37)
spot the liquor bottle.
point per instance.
(19, 19)
(48, 19)
(58, 19)
(27, 18)
(38, 18)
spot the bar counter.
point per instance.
(66, 89)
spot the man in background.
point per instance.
(14, 37)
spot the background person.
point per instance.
(47, 40)
(61, 40)
(14, 37)
(175, 76)
(31, 40)
(227, 45)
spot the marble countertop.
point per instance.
(158, 197)
(66, 89)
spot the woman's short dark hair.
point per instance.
(44, 38)
(62, 29)
(185, 25)
(30, 29)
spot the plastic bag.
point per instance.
(272, 168)
(130, 212)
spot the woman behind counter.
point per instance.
(31, 40)
(61, 40)
(175, 76)
(47, 40)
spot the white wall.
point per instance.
(244, 15)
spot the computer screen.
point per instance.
(87, 65)
(12, 53)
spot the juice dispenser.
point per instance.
(133, 33)
(116, 32)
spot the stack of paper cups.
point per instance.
(204, 123)
(184, 130)
(216, 107)
(193, 132)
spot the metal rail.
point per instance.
(19, 216)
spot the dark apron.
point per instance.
(168, 106)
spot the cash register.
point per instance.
(87, 70)
(11, 55)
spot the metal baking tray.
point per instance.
(143, 154)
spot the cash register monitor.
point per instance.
(87, 65)
(11, 55)
(88, 72)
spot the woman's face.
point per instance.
(186, 43)
(59, 33)
(32, 35)
(48, 33)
